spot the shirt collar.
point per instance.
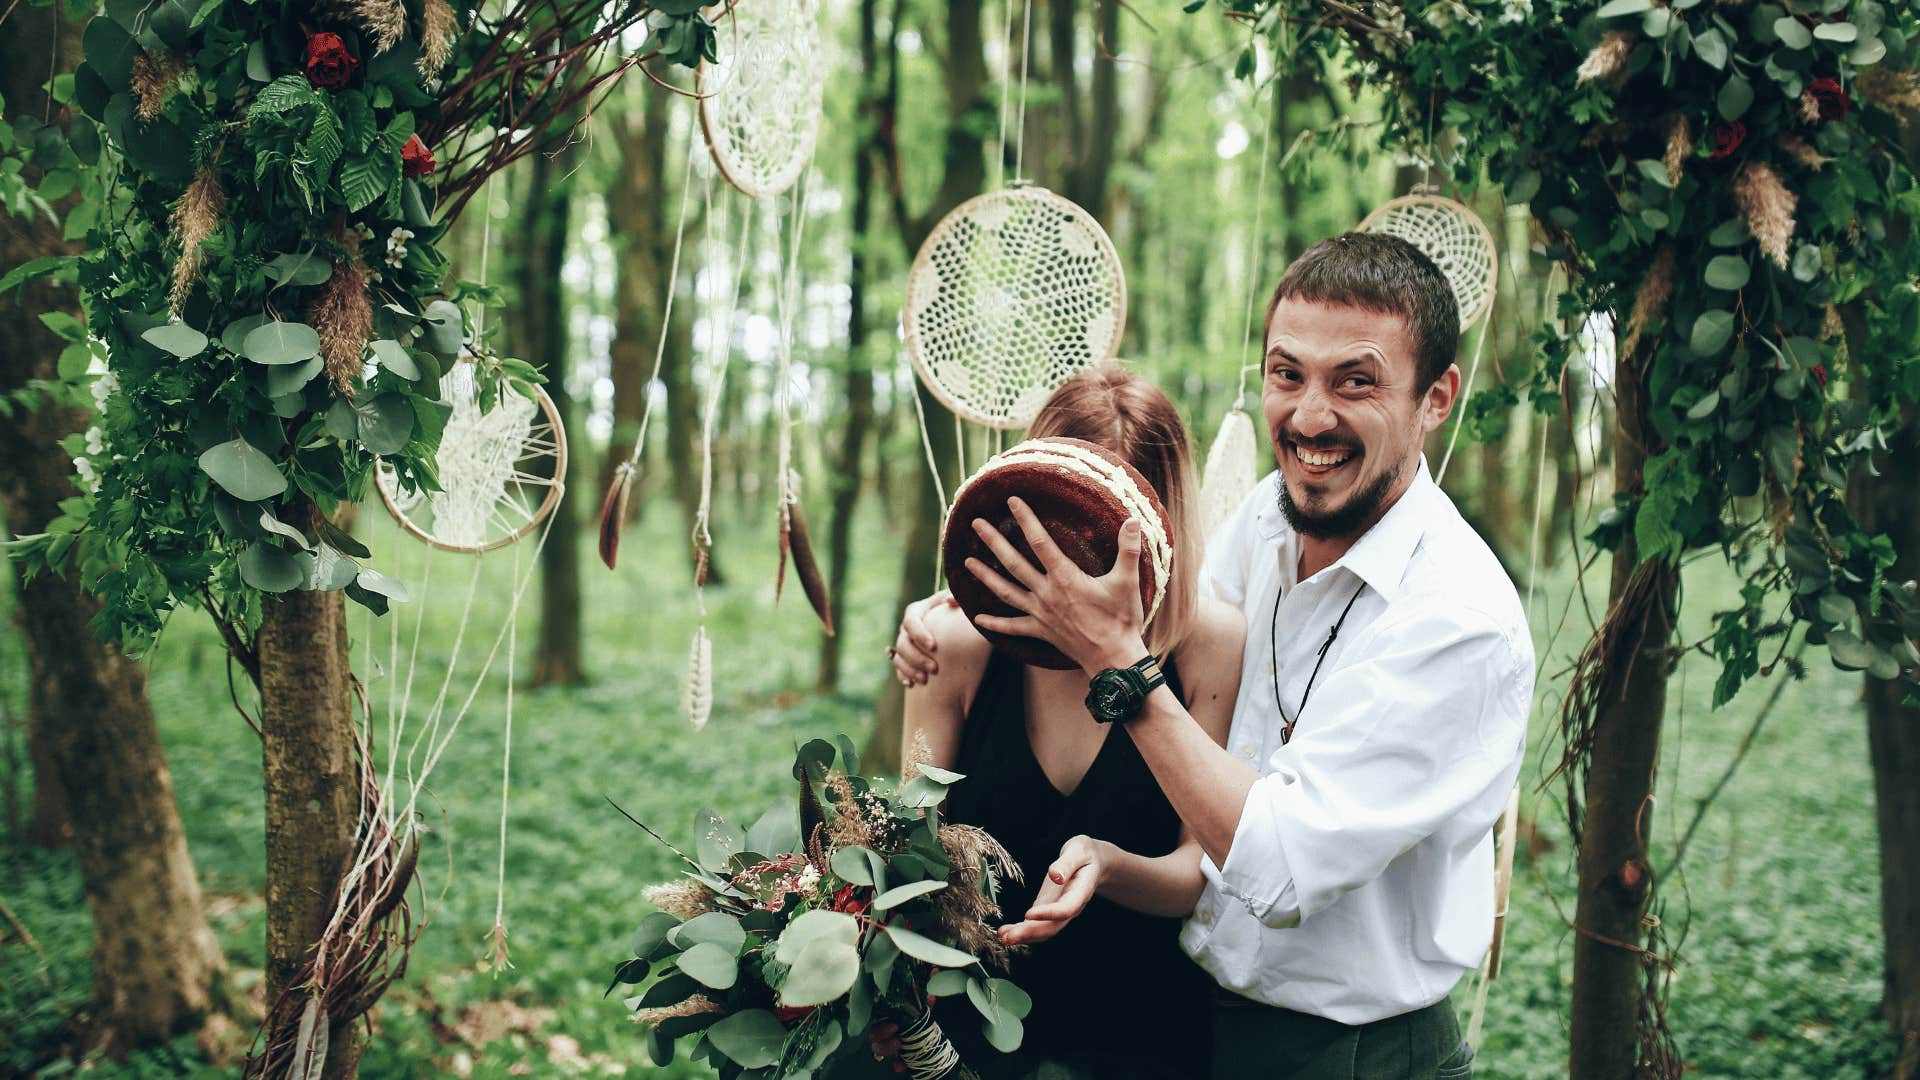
(1380, 556)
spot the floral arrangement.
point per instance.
(783, 942)
(269, 314)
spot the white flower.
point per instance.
(88, 477)
(1515, 11)
(96, 440)
(363, 230)
(808, 879)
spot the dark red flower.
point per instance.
(1831, 98)
(415, 158)
(1819, 374)
(788, 1014)
(329, 65)
(1727, 137)
(844, 901)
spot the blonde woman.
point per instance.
(1109, 870)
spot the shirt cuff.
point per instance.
(1257, 872)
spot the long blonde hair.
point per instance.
(1130, 416)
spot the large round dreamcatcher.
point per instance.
(501, 471)
(760, 103)
(1012, 293)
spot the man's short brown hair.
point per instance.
(1384, 274)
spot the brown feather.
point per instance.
(786, 545)
(613, 514)
(702, 555)
(807, 567)
(398, 881)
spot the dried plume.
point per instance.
(343, 317)
(1809, 107)
(1801, 151)
(195, 217)
(154, 79)
(1608, 60)
(698, 699)
(439, 30)
(1651, 302)
(1768, 207)
(1894, 91)
(1832, 328)
(681, 899)
(976, 864)
(1679, 147)
(919, 750)
(693, 1006)
(613, 513)
(807, 567)
(385, 21)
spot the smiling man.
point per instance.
(1383, 699)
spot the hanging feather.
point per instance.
(805, 565)
(699, 697)
(702, 556)
(786, 547)
(613, 513)
(1230, 472)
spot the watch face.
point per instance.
(1108, 696)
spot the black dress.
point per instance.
(1113, 995)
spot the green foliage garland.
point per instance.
(263, 280)
(1727, 181)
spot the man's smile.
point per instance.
(1321, 461)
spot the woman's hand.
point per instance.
(1071, 881)
(913, 647)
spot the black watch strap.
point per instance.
(1118, 694)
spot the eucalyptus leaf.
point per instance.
(711, 928)
(234, 337)
(1848, 651)
(280, 528)
(1806, 263)
(179, 339)
(1729, 272)
(376, 582)
(1836, 608)
(281, 343)
(652, 930)
(1704, 408)
(242, 471)
(939, 775)
(325, 570)
(823, 970)
(1791, 33)
(922, 792)
(778, 830)
(850, 865)
(947, 982)
(751, 1038)
(715, 840)
(385, 423)
(284, 379)
(923, 948)
(266, 567)
(1711, 332)
(394, 357)
(1614, 9)
(1867, 52)
(900, 894)
(1840, 32)
(817, 924)
(443, 331)
(1005, 1034)
(712, 965)
(342, 422)
(1710, 47)
(300, 268)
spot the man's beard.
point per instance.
(1341, 523)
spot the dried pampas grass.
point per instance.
(1801, 151)
(1651, 302)
(1768, 207)
(1608, 59)
(385, 21)
(1679, 147)
(1894, 91)
(343, 317)
(976, 864)
(154, 79)
(198, 213)
(681, 899)
(439, 30)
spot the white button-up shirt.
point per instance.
(1360, 882)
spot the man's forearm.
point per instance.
(1206, 785)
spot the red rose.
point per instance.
(1830, 98)
(415, 158)
(844, 901)
(329, 65)
(787, 1014)
(1727, 137)
(1819, 374)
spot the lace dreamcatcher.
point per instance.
(1454, 237)
(760, 103)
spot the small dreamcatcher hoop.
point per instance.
(760, 102)
(1454, 237)
(1012, 293)
(502, 471)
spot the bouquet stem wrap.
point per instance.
(927, 1052)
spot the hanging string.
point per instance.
(1466, 393)
(498, 938)
(1020, 125)
(1256, 249)
(797, 216)
(666, 314)
(933, 466)
(1006, 84)
(719, 345)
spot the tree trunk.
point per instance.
(313, 787)
(966, 78)
(1615, 879)
(556, 658)
(156, 964)
(848, 465)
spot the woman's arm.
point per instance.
(936, 710)
(1170, 884)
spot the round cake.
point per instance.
(1082, 493)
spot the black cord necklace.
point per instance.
(1273, 643)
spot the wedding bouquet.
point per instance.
(782, 943)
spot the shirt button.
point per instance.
(1247, 752)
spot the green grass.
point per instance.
(1779, 972)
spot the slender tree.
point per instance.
(156, 965)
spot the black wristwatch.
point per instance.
(1118, 694)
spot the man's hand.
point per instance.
(1095, 622)
(913, 647)
(1071, 881)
